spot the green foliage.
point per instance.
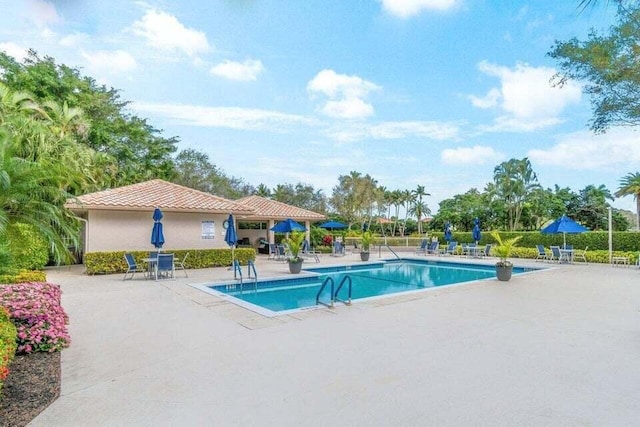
(22, 276)
(29, 249)
(367, 239)
(8, 336)
(293, 244)
(504, 247)
(113, 262)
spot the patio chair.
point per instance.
(273, 251)
(450, 249)
(132, 267)
(581, 255)
(487, 250)
(422, 249)
(555, 254)
(307, 252)
(165, 267)
(179, 265)
(433, 248)
(281, 253)
(338, 249)
(542, 253)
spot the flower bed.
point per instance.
(7, 344)
(39, 318)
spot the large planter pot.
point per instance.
(364, 256)
(295, 267)
(503, 272)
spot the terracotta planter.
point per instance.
(295, 267)
(503, 272)
(364, 256)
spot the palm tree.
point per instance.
(263, 191)
(630, 185)
(419, 192)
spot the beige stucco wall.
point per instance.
(130, 230)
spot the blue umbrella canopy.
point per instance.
(564, 225)
(447, 231)
(230, 236)
(331, 225)
(476, 233)
(157, 234)
(287, 226)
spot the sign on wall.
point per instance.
(208, 229)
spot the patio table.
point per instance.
(152, 267)
(566, 255)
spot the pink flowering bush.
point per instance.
(40, 320)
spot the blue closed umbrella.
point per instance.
(157, 235)
(447, 231)
(564, 225)
(231, 237)
(476, 233)
(287, 226)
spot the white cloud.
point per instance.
(395, 130)
(74, 39)
(225, 117)
(43, 13)
(164, 32)
(476, 155)
(583, 150)
(346, 94)
(525, 99)
(112, 62)
(408, 8)
(16, 51)
(244, 71)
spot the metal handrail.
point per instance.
(324, 284)
(342, 282)
(388, 247)
(252, 267)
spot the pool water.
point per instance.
(367, 281)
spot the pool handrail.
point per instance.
(342, 282)
(324, 284)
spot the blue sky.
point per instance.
(412, 92)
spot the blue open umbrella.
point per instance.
(157, 235)
(332, 225)
(564, 225)
(287, 226)
(447, 231)
(476, 233)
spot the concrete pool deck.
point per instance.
(556, 347)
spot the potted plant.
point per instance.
(293, 244)
(367, 239)
(503, 249)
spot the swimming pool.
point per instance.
(367, 280)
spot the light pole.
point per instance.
(610, 237)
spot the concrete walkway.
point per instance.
(554, 348)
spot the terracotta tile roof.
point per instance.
(158, 193)
(271, 209)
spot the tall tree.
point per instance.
(419, 208)
(630, 186)
(609, 65)
(514, 180)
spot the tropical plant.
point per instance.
(367, 239)
(293, 244)
(514, 181)
(503, 248)
(630, 185)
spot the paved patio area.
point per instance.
(556, 348)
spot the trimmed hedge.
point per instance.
(28, 248)
(8, 336)
(113, 262)
(626, 241)
(23, 276)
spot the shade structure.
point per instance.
(447, 231)
(564, 225)
(476, 233)
(333, 225)
(157, 233)
(287, 226)
(230, 236)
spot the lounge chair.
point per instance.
(179, 265)
(450, 249)
(132, 267)
(273, 251)
(422, 249)
(555, 254)
(433, 248)
(165, 267)
(307, 252)
(581, 255)
(338, 249)
(542, 253)
(487, 250)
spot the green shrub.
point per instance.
(28, 248)
(8, 339)
(22, 276)
(113, 262)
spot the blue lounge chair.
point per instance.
(542, 253)
(164, 266)
(450, 249)
(422, 249)
(307, 252)
(433, 247)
